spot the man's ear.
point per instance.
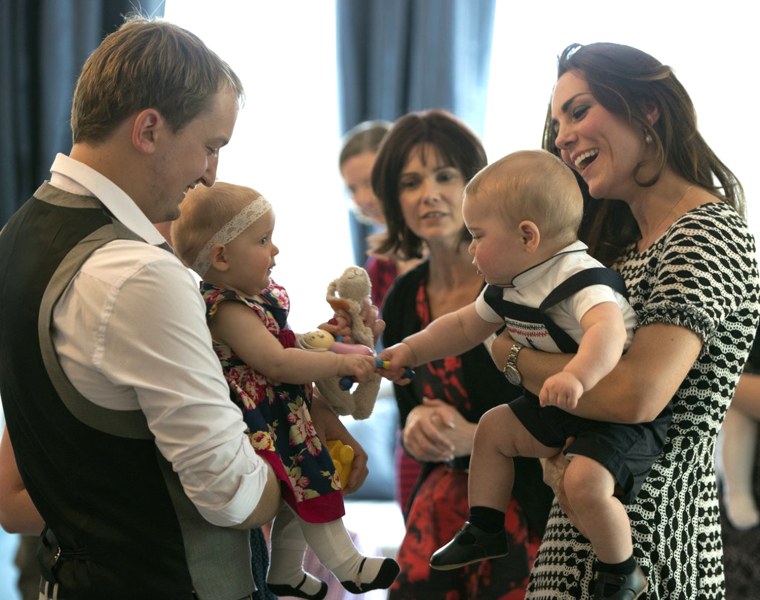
(145, 130)
(530, 235)
(217, 257)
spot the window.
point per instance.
(287, 137)
(286, 140)
(710, 46)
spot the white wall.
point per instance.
(711, 46)
(287, 137)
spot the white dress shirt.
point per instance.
(130, 331)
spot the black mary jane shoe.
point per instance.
(470, 545)
(388, 572)
(289, 590)
(614, 586)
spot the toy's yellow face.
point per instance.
(317, 340)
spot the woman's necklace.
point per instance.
(647, 241)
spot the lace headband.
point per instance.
(230, 230)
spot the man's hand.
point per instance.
(340, 325)
(330, 427)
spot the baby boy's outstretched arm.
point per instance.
(448, 335)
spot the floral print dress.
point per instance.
(277, 414)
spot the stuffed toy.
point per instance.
(349, 295)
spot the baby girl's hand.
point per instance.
(562, 390)
(359, 366)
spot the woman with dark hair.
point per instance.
(357, 156)
(667, 214)
(419, 176)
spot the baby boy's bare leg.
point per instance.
(590, 489)
(498, 439)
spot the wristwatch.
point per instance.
(510, 369)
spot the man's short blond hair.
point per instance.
(147, 63)
(532, 185)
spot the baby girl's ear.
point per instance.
(217, 257)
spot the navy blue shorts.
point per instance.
(626, 451)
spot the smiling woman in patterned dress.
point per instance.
(677, 234)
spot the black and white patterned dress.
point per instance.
(702, 275)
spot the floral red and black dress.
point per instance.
(439, 506)
(277, 414)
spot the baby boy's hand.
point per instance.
(562, 390)
(395, 363)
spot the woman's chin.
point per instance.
(595, 189)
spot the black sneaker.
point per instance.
(614, 586)
(470, 545)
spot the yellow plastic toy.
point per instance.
(343, 458)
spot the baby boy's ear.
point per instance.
(530, 234)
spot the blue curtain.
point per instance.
(43, 45)
(396, 56)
